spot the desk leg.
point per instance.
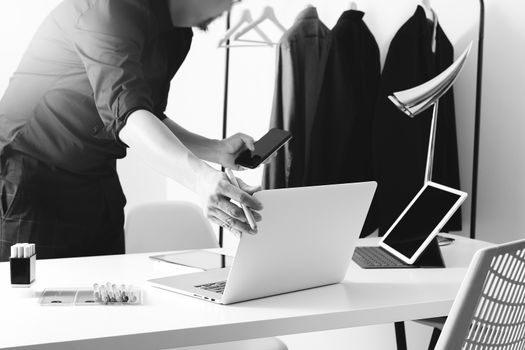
(433, 341)
(401, 339)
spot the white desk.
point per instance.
(167, 319)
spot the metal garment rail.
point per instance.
(477, 115)
(225, 104)
(477, 120)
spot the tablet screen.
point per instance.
(421, 219)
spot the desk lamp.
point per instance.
(418, 99)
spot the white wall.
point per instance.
(19, 20)
(501, 202)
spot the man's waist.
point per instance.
(18, 168)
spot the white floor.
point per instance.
(380, 337)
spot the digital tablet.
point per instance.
(421, 221)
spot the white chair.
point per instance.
(489, 310)
(168, 225)
(177, 225)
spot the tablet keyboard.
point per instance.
(377, 258)
(216, 287)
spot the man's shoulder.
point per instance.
(108, 6)
(117, 16)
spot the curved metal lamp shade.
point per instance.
(417, 99)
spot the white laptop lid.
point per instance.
(421, 221)
(306, 239)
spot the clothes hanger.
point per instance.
(432, 16)
(267, 14)
(246, 17)
(428, 9)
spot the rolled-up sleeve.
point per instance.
(109, 38)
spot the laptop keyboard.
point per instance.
(216, 287)
(376, 257)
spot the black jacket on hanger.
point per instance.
(341, 137)
(341, 148)
(301, 59)
(400, 143)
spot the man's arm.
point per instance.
(159, 147)
(167, 154)
(202, 147)
(221, 152)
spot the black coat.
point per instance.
(400, 142)
(341, 148)
(301, 61)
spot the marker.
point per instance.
(13, 251)
(125, 297)
(27, 250)
(19, 250)
(96, 292)
(134, 295)
(247, 211)
(104, 294)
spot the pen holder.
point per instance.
(23, 271)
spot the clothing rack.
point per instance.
(477, 115)
(225, 103)
(477, 120)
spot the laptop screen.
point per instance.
(420, 220)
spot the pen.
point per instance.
(247, 212)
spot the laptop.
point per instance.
(306, 239)
(414, 230)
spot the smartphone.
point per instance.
(265, 147)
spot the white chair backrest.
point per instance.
(168, 225)
(489, 310)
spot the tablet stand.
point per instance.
(431, 256)
(374, 257)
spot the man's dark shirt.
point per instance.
(91, 63)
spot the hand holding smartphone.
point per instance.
(264, 148)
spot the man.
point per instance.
(93, 81)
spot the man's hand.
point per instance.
(231, 147)
(216, 191)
